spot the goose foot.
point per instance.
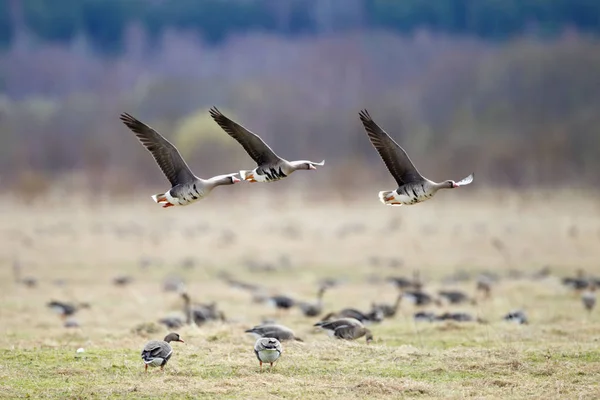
(167, 205)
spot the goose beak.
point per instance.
(181, 340)
(310, 166)
(235, 180)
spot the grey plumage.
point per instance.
(186, 187)
(267, 349)
(346, 328)
(270, 167)
(157, 353)
(276, 331)
(412, 186)
(588, 298)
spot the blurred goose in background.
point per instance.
(484, 285)
(588, 298)
(578, 283)
(66, 309)
(517, 316)
(346, 328)
(281, 302)
(313, 309)
(186, 187)
(156, 353)
(419, 298)
(276, 331)
(456, 297)
(267, 350)
(412, 186)
(388, 310)
(271, 167)
(375, 315)
(200, 313)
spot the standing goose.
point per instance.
(267, 350)
(388, 310)
(588, 297)
(186, 187)
(271, 167)
(412, 186)
(346, 328)
(313, 309)
(157, 353)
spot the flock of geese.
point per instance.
(348, 323)
(186, 188)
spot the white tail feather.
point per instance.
(243, 174)
(155, 197)
(385, 193)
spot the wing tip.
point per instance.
(364, 115)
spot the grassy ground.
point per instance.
(85, 247)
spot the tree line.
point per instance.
(104, 22)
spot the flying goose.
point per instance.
(412, 186)
(267, 349)
(346, 328)
(157, 353)
(186, 187)
(271, 167)
(276, 331)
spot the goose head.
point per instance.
(173, 337)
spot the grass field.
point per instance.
(74, 250)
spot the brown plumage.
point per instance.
(412, 186)
(157, 353)
(186, 187)
(346, 328)
(271, 167)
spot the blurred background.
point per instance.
(507, 88)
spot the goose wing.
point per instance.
(256, 148)
(394, 156)
(164, 152)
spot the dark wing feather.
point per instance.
(256, 148)
(166, 155)
(394, 156)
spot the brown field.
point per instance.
(87, 244)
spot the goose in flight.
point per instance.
(186, 188)
(413, 188)
(271, 167)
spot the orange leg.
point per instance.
(260, 366)
(162, 368)
(146, 369)
(167, 205)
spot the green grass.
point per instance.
(555, 356)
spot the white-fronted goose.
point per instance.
(186, 187)
(276, 331)
(388, 310)
(375, 315)
(281, 302)
(516, 316)
(313, 309)
(456, 297)
(588, 298)
(412, 186)
(271, 167)
(267, 350)
(156, 353)
(200, 313)
(346, 328)
(66, 309)
(419, 298)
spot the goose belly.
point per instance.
(268, 355)
(155, 362)
(408, 195)
(269, 174)
(186, 195)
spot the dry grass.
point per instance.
(556, 356)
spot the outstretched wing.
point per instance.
(394, 156)
(166, 154)
(256, 148)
